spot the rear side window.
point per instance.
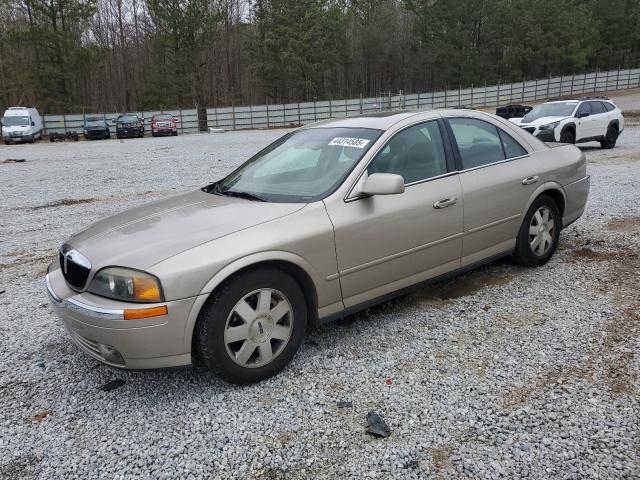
(596, 108)
(512, 148)
(479, 142)
(608, 106)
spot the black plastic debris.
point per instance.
(376, 425)
(14, 160)
(112, 385)
(344, 404)
(2, 291)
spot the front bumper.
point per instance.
(129, 133)
(546, 135)
(164, 131)
(17, 139)
(97, 327)
(543, 135)
(96, 134)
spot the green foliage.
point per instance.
(296, 42)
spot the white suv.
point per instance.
(575, 121)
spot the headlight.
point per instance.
(550, 126)
(126, 284)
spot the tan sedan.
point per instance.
(327, 220)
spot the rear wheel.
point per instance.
(568, 137)
(252, 326)
(539, 234)
(610, 138)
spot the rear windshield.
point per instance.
(16, 121)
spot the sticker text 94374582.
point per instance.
(349, 142)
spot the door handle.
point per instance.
(445, 202)
(530, 180)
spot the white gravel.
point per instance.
(505, 372)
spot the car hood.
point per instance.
(145, 235)
(539, 121)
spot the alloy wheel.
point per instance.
(258, 328)
(541, 231)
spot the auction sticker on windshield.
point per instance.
(349, 142)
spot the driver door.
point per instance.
(387, 242)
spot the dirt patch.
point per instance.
(440, 457)
(587, 253)
(38, 417)
(626, 225)
(445, 292)
(64, 202)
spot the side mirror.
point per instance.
(33, 124)
(583, 114)
(383, 184)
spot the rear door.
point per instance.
(599, 119)
(387, 242)
(497, 178)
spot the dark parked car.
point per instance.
(164, 124)
(96, 128)
(129, 126)
(513, 111)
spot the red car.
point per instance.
(164, 124)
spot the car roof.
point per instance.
(377, 120)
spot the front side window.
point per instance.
(478, 142)
(415, 153)
(583, 108)
(301, 167)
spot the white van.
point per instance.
(20, 124)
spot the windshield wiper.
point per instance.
(239, 194)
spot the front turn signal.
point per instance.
(138, 313)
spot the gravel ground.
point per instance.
(504, 372)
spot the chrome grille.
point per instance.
(75, 273)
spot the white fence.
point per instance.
(293, 114)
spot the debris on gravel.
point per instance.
(505, 372)
(376, 426)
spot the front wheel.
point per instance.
(567, 137)
(252, 326)
(539, 233)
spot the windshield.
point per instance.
(128, 119)
(16, 121)
(302, 166)
(550, 110)
(94, 121)
(163, 117)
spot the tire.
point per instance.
(175, 134)
(119, 137)
(532, 230)
(241, 361)
(610, 138)
(154, 134)
(7, 143)
(568, 137)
